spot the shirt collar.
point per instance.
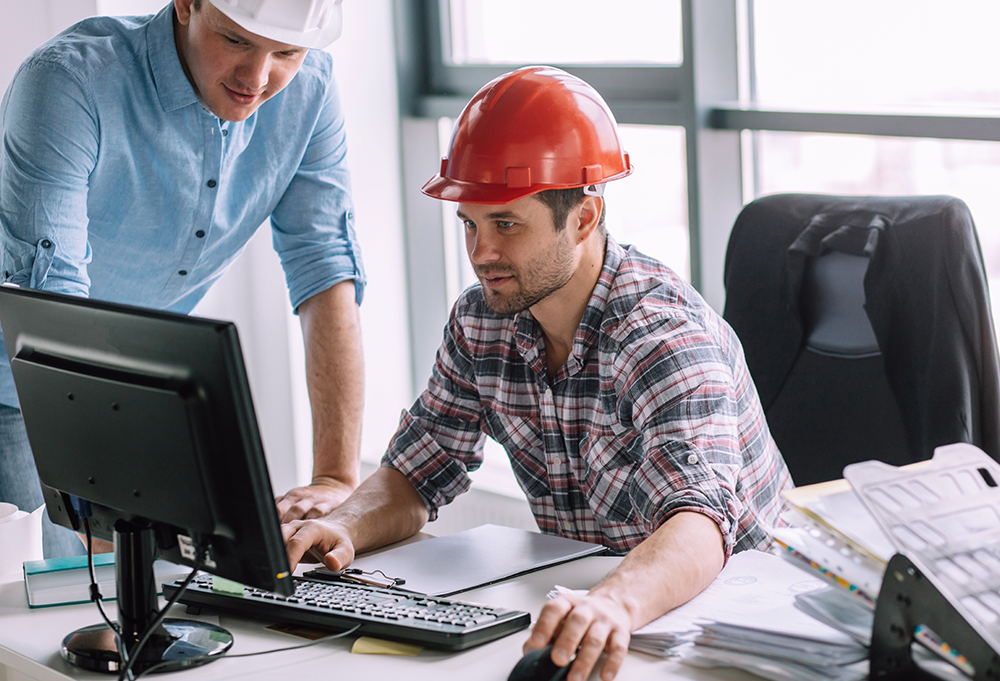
(527, 331)
(172, 86)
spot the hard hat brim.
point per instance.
(314, 40)
(460, 191)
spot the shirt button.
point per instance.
(211, 184)
(557, 461)
(225, 132)
(46, 243)
(200, 234)
(183, 273)
(692, 459)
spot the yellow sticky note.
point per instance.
(366, 645)
(226, 586)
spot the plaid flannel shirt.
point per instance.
(654, 412)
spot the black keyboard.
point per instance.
(434, 622)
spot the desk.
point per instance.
(30, 640)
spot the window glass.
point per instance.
(858, 53)
(845, 164)
(564, 32)
(649, 207)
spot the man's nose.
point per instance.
(482, 248)
(253, 72)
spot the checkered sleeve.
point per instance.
(677, 388)
(439, 439)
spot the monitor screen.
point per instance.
(143, 419)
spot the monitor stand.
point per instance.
(175, 644)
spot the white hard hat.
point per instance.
(304, 23)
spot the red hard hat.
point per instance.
(527, 131)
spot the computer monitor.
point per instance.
(142, 422)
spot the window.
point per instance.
(564, 32)
(857, 53)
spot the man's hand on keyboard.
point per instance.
(320, 540)
(314, 500)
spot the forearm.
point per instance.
(666, 570)
(331, 329)
(384, 509)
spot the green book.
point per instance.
(64, 581)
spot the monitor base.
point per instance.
(179, 644)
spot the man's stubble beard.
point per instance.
(551, 274)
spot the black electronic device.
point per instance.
(537, 665)
(435, 622)
(141, 423)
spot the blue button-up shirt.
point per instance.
(117, 183)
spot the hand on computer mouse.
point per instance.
(537, 665)
(586, 632)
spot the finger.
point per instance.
(284, 503)
(575, 626)
(297, 511)
(288, 529)
(305, 536)
(617, 650)
(315, 510)
(339, 557)
(591, 648)
(548, 622)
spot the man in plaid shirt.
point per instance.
(622, 399)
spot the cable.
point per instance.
(95, 589)
(126, 672)
(350, 631)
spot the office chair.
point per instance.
(866, 326)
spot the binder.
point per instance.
(453, 563)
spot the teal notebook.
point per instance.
(63, 581)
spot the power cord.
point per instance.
(95, 589)
(126, 672)
(350, 631)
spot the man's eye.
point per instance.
(503, 224)
(469, 224)
(231, 41)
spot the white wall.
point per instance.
(26, 25)
(253, 292)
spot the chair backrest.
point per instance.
(866, 326)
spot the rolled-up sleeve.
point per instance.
(440, 439)
(677, 390)
(50, 147)
(313, 224)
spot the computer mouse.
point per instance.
(537, 665)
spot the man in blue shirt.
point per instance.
(138, 157)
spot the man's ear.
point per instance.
(183, 10)
(583, 220)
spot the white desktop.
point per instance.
(30, 641)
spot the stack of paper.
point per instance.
(841, 611)
(752, 623)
